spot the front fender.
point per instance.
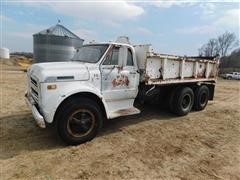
(64, 90)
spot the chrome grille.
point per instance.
(34, 88)
(34, 92)
(33, 81)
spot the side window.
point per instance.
(129, 58)
(115, 53)
(112, 57)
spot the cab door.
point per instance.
(119, 75)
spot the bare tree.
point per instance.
(226, 42)
(209, 49)
(220, 45)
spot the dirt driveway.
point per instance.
(153, 145)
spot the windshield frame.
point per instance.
(102, 55)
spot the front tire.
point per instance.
(79, 121)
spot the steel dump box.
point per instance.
(162, 69)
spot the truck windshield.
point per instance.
(90, 53)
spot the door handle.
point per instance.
(132, 73)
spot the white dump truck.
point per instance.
(103, 81)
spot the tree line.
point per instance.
(220, 45)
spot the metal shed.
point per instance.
(55, 44)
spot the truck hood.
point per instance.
(59, 71)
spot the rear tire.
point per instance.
(201, 97)
(183, 100)
(79, 121)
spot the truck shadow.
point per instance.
(20, 134)
(148, 113)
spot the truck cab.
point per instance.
(101, 77)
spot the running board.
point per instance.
(124, 112)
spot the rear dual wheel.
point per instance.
(181, 101)
(201, 97)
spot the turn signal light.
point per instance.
(52, 86)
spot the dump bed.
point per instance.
(163, 69)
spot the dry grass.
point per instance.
(154, 145)
(15, 63)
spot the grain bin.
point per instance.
(4, 53)
(55, 44)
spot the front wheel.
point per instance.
(80, 121)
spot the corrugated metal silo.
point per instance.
(55, 44)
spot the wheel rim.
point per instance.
(203, 98)
(186, 101)
(81, 123)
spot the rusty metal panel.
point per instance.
(172, 69)
(176, 81)
(188, 70)
(166, 69)
(201, 70)
(154, 67)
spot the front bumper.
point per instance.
(36, 114)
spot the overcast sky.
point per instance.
(175, 27)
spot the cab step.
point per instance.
(124, 112)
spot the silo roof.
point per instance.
(58, 30)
